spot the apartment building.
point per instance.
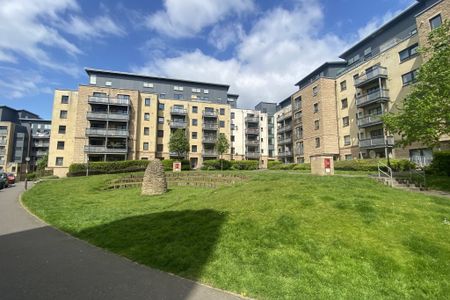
(120, 116)
(338, 107)
(22, 134)
(269, 108)
(283, 131)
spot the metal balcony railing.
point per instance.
(284, 153)
(41, 153)
(209, 139)
(376, 96)
(108, 100)
(285, 141)
(210, 126)
(178, 111)
(382, 141)
(252, 131)
(252, 154)
(371, 75)
(106, 132)
(284, 128)
(41, 145)
(178, 124)
(209, 153)
(370, 120)
(252, 119)
(108, 116)
(3, 132)
(104, 149)
(210, 114)
(2, 142)
(284, 116)
(252, 142)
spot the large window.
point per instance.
(408, 52)
(435, 22)
(344, 103)
(409, 77)
(145, 146)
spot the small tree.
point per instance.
(41, 164)
(222, 146)
(425, 116)
(179, 143)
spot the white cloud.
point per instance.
(188, 17)
(278, 50)
(376, 23)
(223, 36)
(18, 83)
(96, 28)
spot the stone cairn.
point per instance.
(154, 182)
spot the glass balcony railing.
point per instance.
(178, 124)
(108, 100)
(92, 115)
(371, 75)
(209, 114)
(178, 111)
(209, 153)
(252, 119)
(369, 120)
(104, 149)
(106, 132)
(210, 126)
(380, 95)
(382, 141)
(252, 154)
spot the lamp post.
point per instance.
(27, 159)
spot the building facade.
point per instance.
(120, 116)
(283, 131)
(338, 107)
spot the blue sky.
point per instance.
(260, 48)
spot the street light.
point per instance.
(27, 159)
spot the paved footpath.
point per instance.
(40, 262)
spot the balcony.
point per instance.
(178, 111)
(178, 124)
(103, 116)
(370, 120)
(380, 95)
(2, 162)
(2, 151)
(284, 128)
(37, 136)
(104, 150)
(378, 142)
(209, 139)
(3, 132)
(41, 145)
(209, 114)
(41, 153)
(284, 154)
(251, 119)
(285, 141)
(368, 77)
(254, 155)
(209, 153)
(252, 131)
(108, 100)
(106, 132)
(2, 142)
(252, 143)
(210, 126)
(299, 152)
(284, 116)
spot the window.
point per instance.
(298, 102)
(232, 115)
(222, 124)
(353, 60)
(409, 77)
(145, 146)
(194, 109)
(348, 157)
(123, 96)
(64, 99)
(146, 117)
(316, 124)
(108, 83)
(232, 138)
(343, 85)
(160, 148)
(62, 129)
(408, 52)
(347, 140)
(316, 107)
(194, 148)
(93, 79)
(368, 52)
(162, 95)
(177, 88)
(206, 91)
(146, 131)
(148, 84)
(435, 22)
(315, 90)
(222, 111)
(160, 120)
(60, 145)
(144, 158)
(317, 142)
(194, 135)
(345, 121)
(63, 114)
(160, 106)
(344, 103)
(59, 161)
(194, 122)
(147, 101)
(194, 90)
(178, 96)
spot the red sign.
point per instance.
(327, 163)
(176, 166)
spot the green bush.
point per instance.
(168, 164)
(245, 165)
(109, 167)
(302, 167)
(215, 164)
(402, 165)
(31, 176)
(441, 163)
(274, 165)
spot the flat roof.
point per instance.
(323, 66)
(92, 70)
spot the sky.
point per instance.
(260, 48)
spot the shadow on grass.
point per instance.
(180, 242)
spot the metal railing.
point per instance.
(285, 141)
(178, 111)
(384, 171)
(108, 100)
(374, 73)
(252, 154)
(284, 116)
(178, 124)
(284, 153)
(2, 142)
(252, 142)
(107, 132)
(254, 131)
(380, 94)
(210, 126)
(41, 153)
(284, 128)
(209, 139)
(3, 132)
(252, 119)
(104, 149)
(37, 145)
(210, 153)
(374, 142)
(108, 116)
(371, 119)
(211, 114)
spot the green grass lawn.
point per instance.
(278, 235)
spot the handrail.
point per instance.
(387, 174)
(413, 173)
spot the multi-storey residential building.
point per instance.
(283, 131)
(121, 116)
(21, 136)
(270, 108)
(338, 107)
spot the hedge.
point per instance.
(244, 165)
(124, 166)
(441, 163)
(215, 164)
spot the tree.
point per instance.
(425, 115)
(41, 164)
(222, 146)
(179, 143)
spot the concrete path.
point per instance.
(40, 262)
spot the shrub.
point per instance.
(441, 163)
(245, 165)
(274, 165)
(302, 167)
(215, 164)
(401, 165)
(31, 176)
(287, 166)
(109, 167)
